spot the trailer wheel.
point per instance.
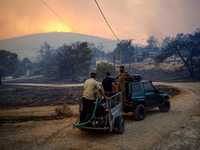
(165, 106)
(119, 124)
(140, 112)
(121, 127)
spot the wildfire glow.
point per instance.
(58, 27)
(136, 19)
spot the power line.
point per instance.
(106, 21)
(62, 19)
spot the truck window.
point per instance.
(148, 87)
(135, 88)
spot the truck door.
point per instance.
(152, 97)
(137, 91)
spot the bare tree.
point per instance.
(186, 46)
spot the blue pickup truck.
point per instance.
(142, 95)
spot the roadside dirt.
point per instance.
(177, 129)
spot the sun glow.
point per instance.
(58, 28)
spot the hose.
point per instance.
(84, 123)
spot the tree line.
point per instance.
(77, 59)
(66, 61)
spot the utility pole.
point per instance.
(114, 64)
(129, 59)
(121, 54)
(136, 55)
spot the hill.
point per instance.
(29, 45)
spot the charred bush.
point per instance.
(18, 89)
(64, 111)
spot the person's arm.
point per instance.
(98, 87)
(113, 86)
(127, 75)
(117, 76)
(103, 94)
(102, 84)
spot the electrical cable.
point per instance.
(63, 20)
(73, 28)
(106, 21)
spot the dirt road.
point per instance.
(177, 129)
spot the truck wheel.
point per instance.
(121, 127)
(140, 112)
(165, 106)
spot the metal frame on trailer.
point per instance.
(113, 112)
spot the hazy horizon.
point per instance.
(135, 19)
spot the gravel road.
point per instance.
(177, 129)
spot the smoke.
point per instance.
(175, 17)
(129, 19)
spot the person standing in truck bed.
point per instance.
(108, 83)
(123, 76)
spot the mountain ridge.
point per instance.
(29, 45)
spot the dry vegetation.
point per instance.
(60, 98)
(164, 72)
(165, 66)
(17, 96)
(64, 111)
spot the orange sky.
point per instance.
(129, 19)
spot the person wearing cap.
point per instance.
(123, 76)
(88, 96)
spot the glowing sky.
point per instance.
(129, 19)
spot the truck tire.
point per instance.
(165, 106)
(140, 112)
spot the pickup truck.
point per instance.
(142, 95)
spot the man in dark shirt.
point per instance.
(108, 83)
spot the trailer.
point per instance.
(107, 115)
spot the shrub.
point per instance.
(18, 89)
(65, 111)
(103, 68)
